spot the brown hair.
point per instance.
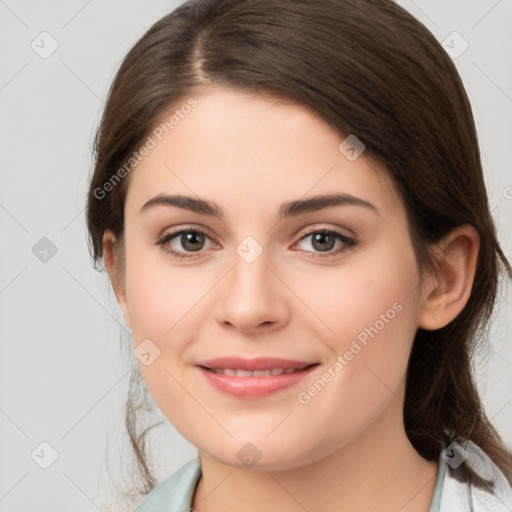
(368, 68)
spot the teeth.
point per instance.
(263, 373)
(256, 373)
(243, 373)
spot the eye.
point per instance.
(191, 241)
(324, 241)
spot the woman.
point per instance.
(315, 346)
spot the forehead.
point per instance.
(252, 149)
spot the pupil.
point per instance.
(321, 237)
(189, 239)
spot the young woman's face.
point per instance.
(330, 288)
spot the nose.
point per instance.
(253, 298)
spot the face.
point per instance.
(320, 299)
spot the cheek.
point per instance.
(161, 298)
(164, 304)
(364, 377)
(361, 297)
(372, 310)
(368, 315)
(161, 307)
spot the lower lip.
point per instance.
(253, 387)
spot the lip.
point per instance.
(259, 363)
(255, 386)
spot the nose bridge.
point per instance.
(252, 295)
(250, 273)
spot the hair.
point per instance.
(368, 68)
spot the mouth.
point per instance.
(254, 378)
(236, 372)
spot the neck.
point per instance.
(377, 471)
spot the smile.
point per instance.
(254, 378)
(256, 373)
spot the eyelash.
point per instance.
(348, 242)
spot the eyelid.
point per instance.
(324, 227)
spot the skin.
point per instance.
(249, 153)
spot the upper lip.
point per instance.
(260, 363)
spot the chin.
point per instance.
(263, 455)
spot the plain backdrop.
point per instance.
(63, 375)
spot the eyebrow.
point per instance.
(287, 209)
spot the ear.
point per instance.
(113, 264)
(447, 290)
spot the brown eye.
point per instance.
(192, 241)
(184, 241)
(324, 241)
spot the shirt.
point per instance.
(454, 492)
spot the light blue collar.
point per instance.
(174, 494)
(435, 504)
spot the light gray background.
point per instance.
(63, 376)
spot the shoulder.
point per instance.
(488, 491)
(175, 493)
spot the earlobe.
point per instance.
(447, 290)
(115, 271)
